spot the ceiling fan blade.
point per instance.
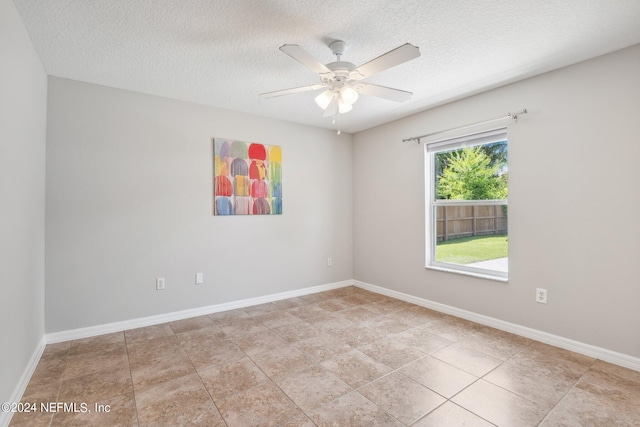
(289, 91)
(390, 59)
(303, 57)
(383, 92)
(332, 108)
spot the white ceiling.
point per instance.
(224, 53)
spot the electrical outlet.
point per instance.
(541, 295)
(160, 283)
(329, 262)
(199, 278)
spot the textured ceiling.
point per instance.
(224, 53)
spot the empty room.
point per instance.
(296, 213)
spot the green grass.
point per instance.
(467, 250)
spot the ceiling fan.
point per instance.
(343, 80)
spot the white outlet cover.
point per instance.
(199, 278)
(541, 295)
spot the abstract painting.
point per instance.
(247, 178)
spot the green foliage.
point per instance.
(471, 174)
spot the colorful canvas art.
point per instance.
(247, 178)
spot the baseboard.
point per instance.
(108, 328)
(547, 338)
(5, 417)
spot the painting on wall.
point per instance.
(247, 178)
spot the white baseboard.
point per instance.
(5, 417)
(108, 328)
(547, 338)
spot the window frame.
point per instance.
(474, 139)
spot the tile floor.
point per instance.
(345, 357)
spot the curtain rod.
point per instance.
(513, 116)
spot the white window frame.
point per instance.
(431, 203)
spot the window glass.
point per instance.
(468, 204)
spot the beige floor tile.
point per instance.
(425, 315)
(439, 376)
(296, 331)
(387, 305)
(114, 411)
(282, 361)
(276, 318)
(330, 322)
(335, 304)
(286, 304)
(262, 405)
(230, 378)
(29, 419)
(307, 311)
(111, 357)
(356, 368)
(299, 421)
(469, 360)
(317, 297)
(207, 354)
(352, 409)
(544, 385)
(600, 398)
(115, 380)
(547, 355)
(392, 353)
(144, 349)
(242, 327)
(47, 372)
(388, 323)
(616, 372)
(148, 332)
(454, 328)
(42, 392)
(157, 360)
(258, 342)
(358, 336)
(402, 397)
(229, 315)
(323, 346)
(451, 415)
(98, 343)
(181, 401)
(313, 387)
(194, 336)
(502, 344)
(358, 314)
(265, 364)
(56, 350)
(499, 406)
(420, 339)
(191, 324)
(256, 310)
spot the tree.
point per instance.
(470, 174)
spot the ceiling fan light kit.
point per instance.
(342, 80)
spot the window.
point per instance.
(467, 217)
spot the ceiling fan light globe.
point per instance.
(324, 99)
(344, 108)
(348, 95)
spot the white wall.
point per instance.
(129, 199)
(23, 103)
(574, 228)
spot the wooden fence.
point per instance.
(475, 220)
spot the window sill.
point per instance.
(469, 273)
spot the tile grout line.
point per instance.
(133, 388)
